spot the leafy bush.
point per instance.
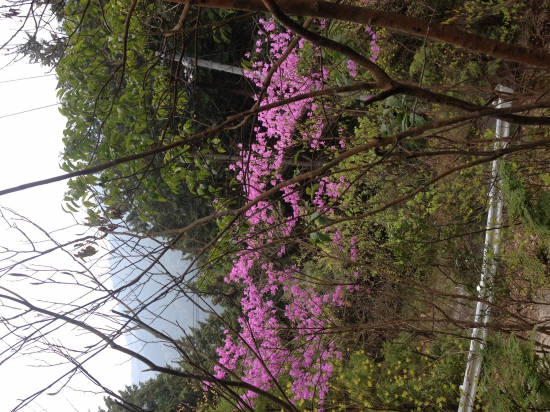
(533, 209)
(409, 374)
(517, 378)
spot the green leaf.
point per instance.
(319, 237)
(323, 221)
(404, 124)
(128, 142)
(296, 156)
(393, 101)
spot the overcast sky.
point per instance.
(30, 144)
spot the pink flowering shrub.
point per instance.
(352, 67)
(262, 351)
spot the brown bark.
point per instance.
(393, 21)
(178, 27)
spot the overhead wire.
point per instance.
(26, 78)
(30, 110)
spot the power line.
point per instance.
(31, 110)
(27, 78)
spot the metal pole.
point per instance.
(208, 64)
(492, 248)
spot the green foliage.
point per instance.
(459, 67)
(435, 63)
(429, 226)
(399, 114)
(168, 393)
(45, 52)
(528, 270)
(516, 377)
(164, 393)
(121, 100)
(219, 404)
(427, 230)
(209, 335)
(336, 64)
(109, 112)
(409, 374)
(532, 208)
(162, 208)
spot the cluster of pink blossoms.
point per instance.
(352, 67)
(260, 350)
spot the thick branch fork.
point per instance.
(396, 22)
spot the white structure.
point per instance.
(485, 292)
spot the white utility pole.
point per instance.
(485, 289)
(209, 64)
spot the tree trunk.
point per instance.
(393, 21)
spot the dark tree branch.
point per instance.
(393, 21)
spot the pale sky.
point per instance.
(30, 144)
